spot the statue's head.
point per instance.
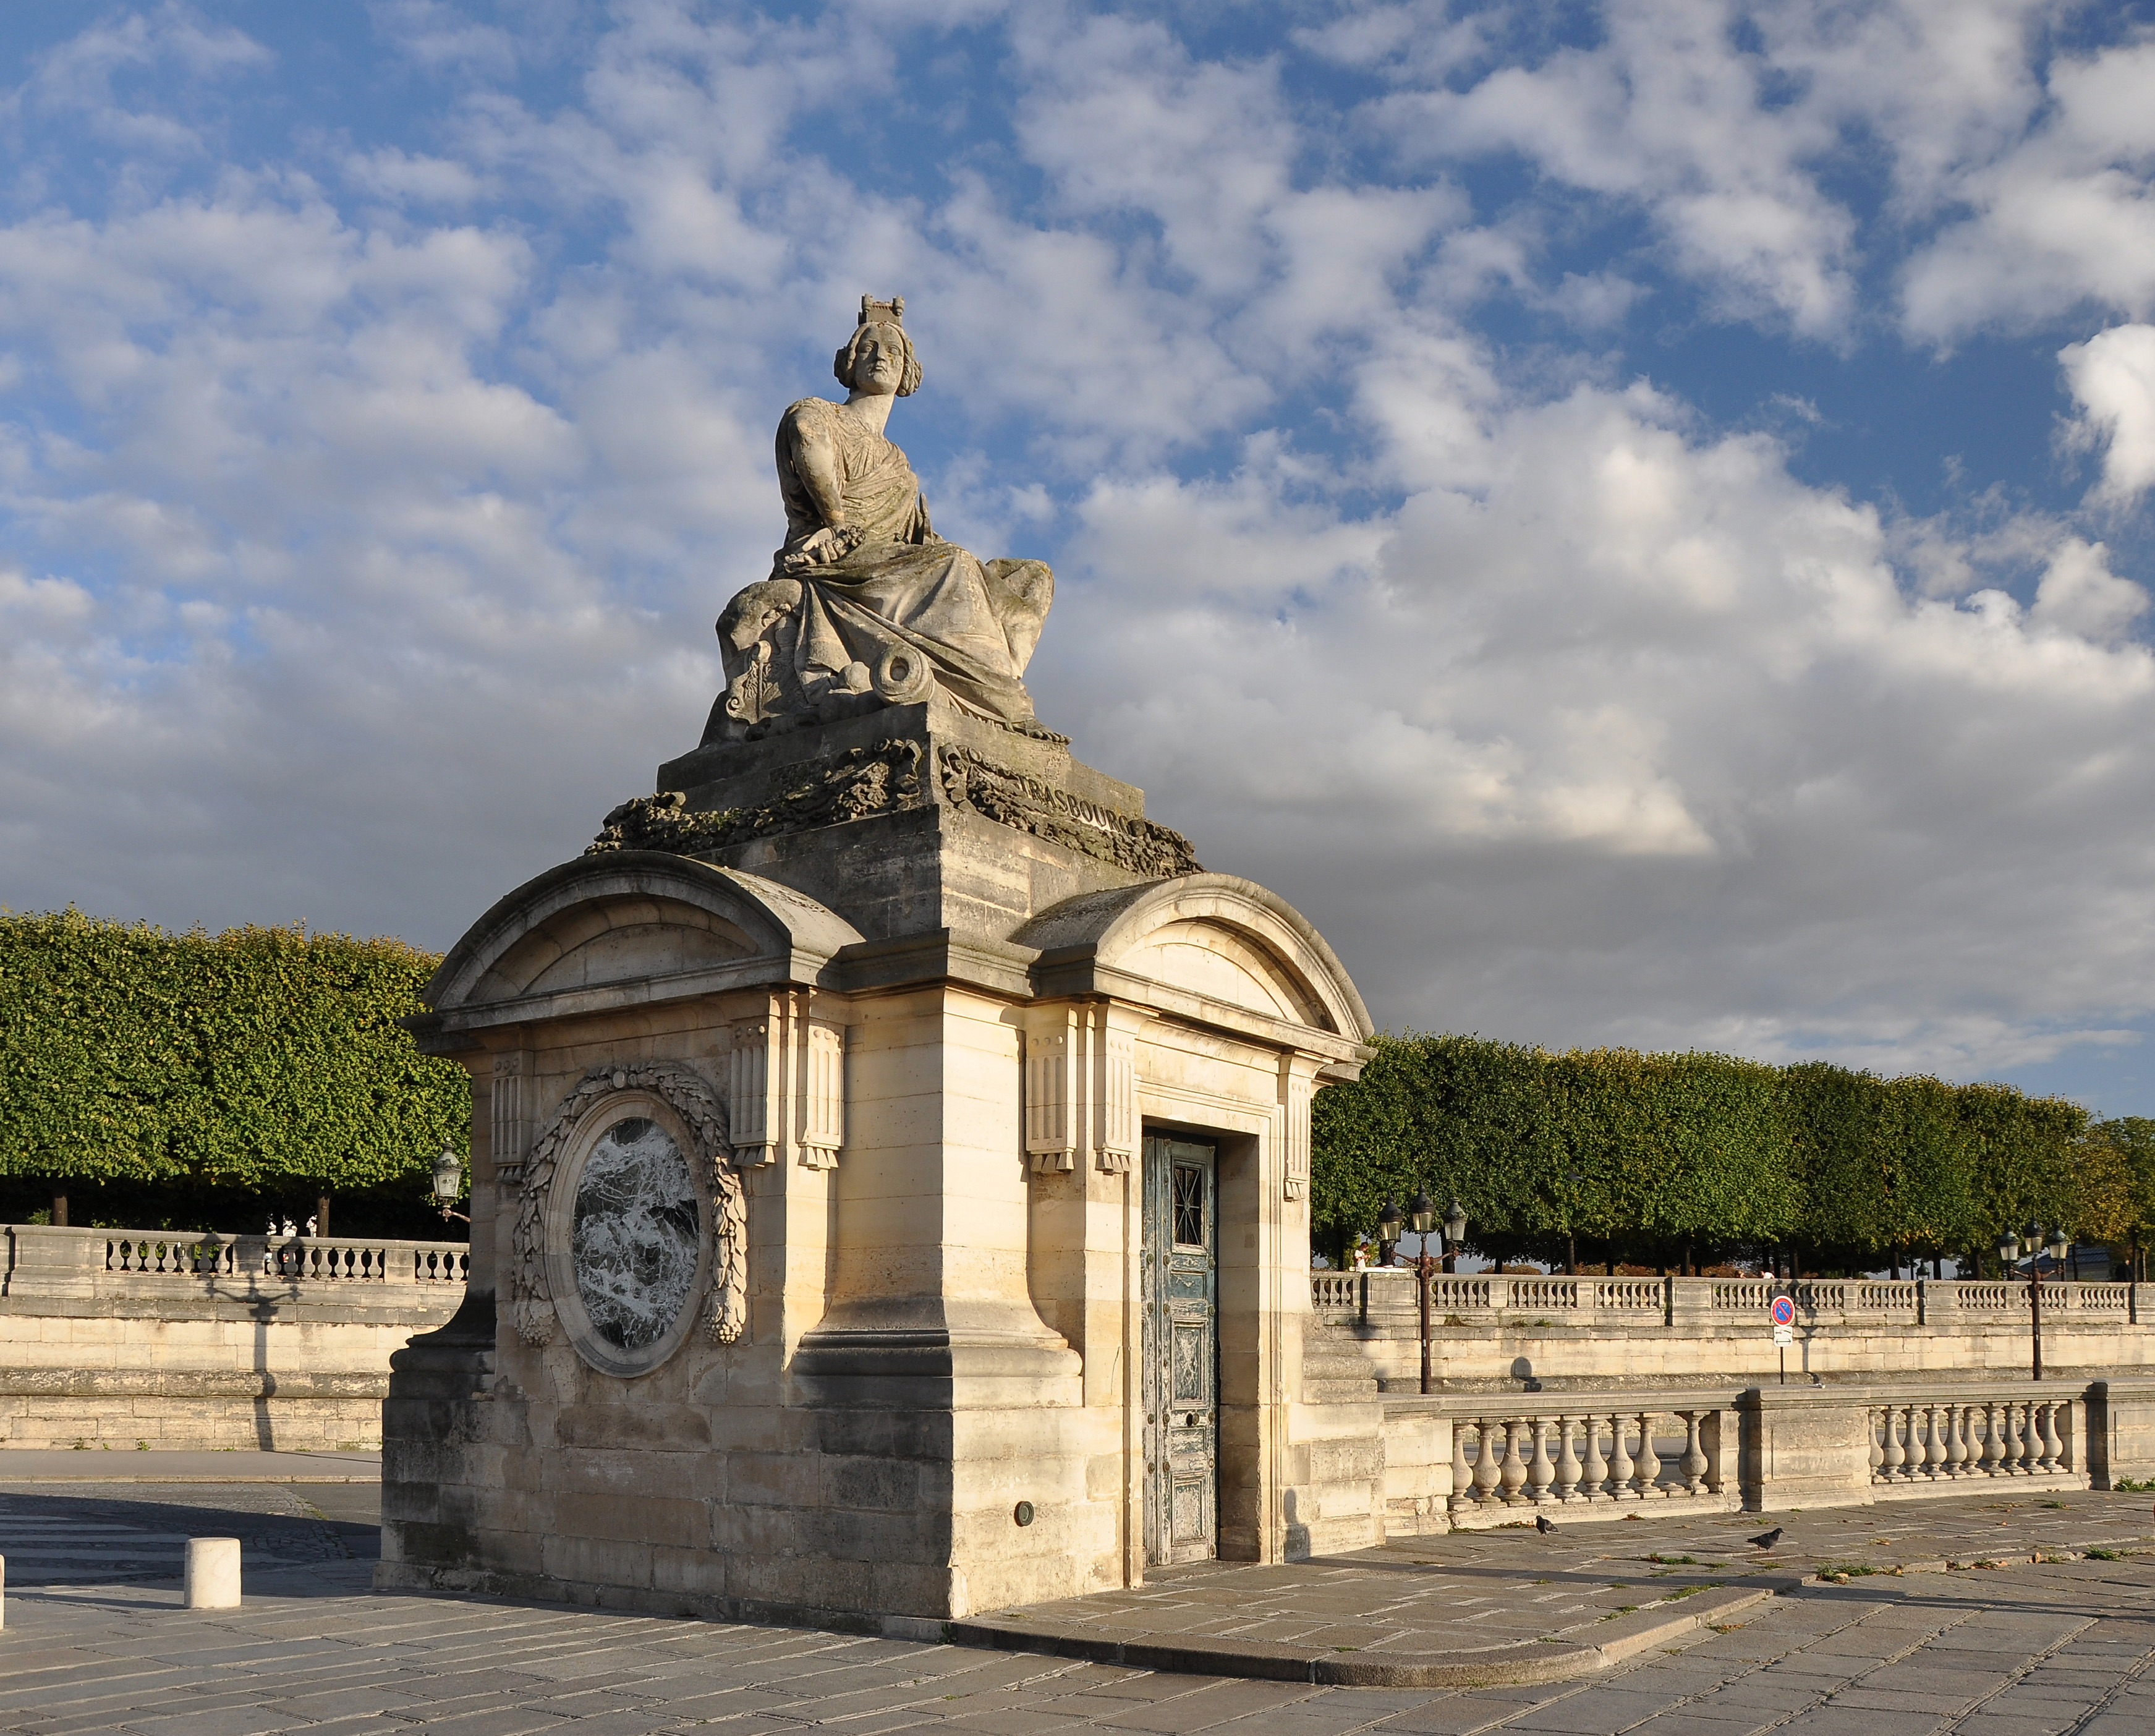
(881, 333)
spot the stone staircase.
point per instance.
(1336, 1366)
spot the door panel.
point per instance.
(1181, 1383)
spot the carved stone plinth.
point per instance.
(906, 821)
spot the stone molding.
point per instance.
(532, 1307)
(786, 1084)
(1081, 1087)
(855, 785)
(1298, 1086)
(974, 782)
(507, 1109)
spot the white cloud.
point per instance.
(368, 514)
(2112, 377)
(1636, 738)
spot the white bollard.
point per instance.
(213, 1573)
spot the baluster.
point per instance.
(1956, 1422)
(2052, 1446)
(1648, 1475)
(1881, 1418)
(1694, 1465)
(1567, 1462)
(1934, 1443)
(1986, 1459)
(2010, 1441)
(1513, 1469)
(1594, 1471)
(1541, 1469)
(1487, 1454)
(1891, 1457)
(1462, 1474)
(1620, 1462)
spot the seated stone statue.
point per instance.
(865, 605)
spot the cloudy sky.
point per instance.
(1635, 518)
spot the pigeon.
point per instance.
(1544, 1524)
(1766, 1539)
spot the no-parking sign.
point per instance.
(1784, 1311)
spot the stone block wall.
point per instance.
(108, 1348)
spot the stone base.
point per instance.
(910, 821)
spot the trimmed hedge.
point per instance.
(1656, 1158)
(257, 1058)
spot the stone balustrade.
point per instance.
(1469, 1460)
(1386, 1295)
(1582, 1454)
(171, 1338)
(1942, 1443)
(94, 1262)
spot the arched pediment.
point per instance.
(631, 925)
(1210, 946)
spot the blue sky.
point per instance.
(1634, 518)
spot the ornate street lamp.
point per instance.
(1455, 1235)
(2008, 1251)
(1422, 1215)
(1388, 1232)
(449, 1183)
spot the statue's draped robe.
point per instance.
(903, 583)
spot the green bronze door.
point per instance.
(1181, 1351)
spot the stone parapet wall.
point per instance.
(119, 1338)
(1492, 1333)
(1469, 1461)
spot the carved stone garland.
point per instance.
(725, 1309)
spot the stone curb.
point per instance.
(1522, 1661)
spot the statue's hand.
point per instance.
(820, 548)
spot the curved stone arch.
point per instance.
(1103, 929)
(725, 1307)
(758, 929)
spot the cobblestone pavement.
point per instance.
(2060, 1646)
(86, 1533)
(1488, 1600)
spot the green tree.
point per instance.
(258, 1057)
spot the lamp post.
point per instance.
(2008, 1251)
(1422, 1215)
(1388, 1232)
(449, 1183)
(1455, 1235)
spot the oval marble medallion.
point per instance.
(637, 1235)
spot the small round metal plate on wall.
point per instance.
(1024, 1514)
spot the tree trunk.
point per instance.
(322, 1215)
(60, 1210)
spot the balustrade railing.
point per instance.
(141, 1254)
(1387, 1294)
(190, 1257)
(1944, 1441)
(1585, 1454)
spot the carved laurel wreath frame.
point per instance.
(725, 1307)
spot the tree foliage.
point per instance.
(1645, 1157)
(253, 1058)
